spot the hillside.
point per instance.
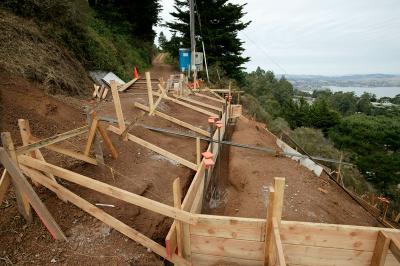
(56, 42)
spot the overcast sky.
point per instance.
(327, 37)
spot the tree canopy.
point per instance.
(218, 23)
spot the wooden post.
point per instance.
(22, 200)
(91, 135)
(274, 211)
(117, 104)
(177, 190)
(149, 91)
(198, 152)
(97, 146)
(26, 135)
(381, 249)
(20, 182)
(268, 226)
(107, 141)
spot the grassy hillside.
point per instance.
(57, 42)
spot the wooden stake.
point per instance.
(177, 190)
(268, 226)
(279, 186)
(117, 104)
(26, 135)
(20, 181)
(5, 183)
(381, 249)
(149, 91)
(107, 141)
(22, 200)
(91, 135)
(198, 152)
(395, 248)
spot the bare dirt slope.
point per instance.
(250, 170)
(137, 169)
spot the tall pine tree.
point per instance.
(217, 24)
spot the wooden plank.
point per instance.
(319, 256)
(22, 199)
(177, 191)
(157, 149)
(108, 219)
(5, 183)
(174, 120)
(107, 141)
(20, 181)
(279, 186)
(227, 247)
(207, 260)
(268, 226)
(163, 93)
(150, 91)
(381, 250)
(52, 140)
(395, 248)
(117, 105)
(198, 151)
(210, 98)
(190, 106)
(106, 189)
(127, 85)
(359, 238)
(209, 106)
(228, 227)
(280, 257)
(92, 133)
(67, 152)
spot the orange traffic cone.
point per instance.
(135, 73)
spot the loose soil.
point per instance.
(251, 172)
(146, 173)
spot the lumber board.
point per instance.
(117, 105)
(52, 140)
(227, 247)
(207, 260)
(210, 98)
(177, 192)
(150, 91)
(107, 141)
(92, 133)
(5, 183)
(109, 190)
(157, 149)
(174, 120)
(22, 183)
(127, 85)
(359, 238)
(76, 155)
(268, 249)
(319, 256)
(280, 257)
(381, 250)
(108, 219)
(229, 227)
(187, 105)
(163, 93)
(209, 106)
(395, 248)
(24, 207)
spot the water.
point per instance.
(378, 91)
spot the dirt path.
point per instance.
(251, 171)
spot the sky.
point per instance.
(325, 37)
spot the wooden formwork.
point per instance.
(194, 238)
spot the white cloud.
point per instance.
(320, 37)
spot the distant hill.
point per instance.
(367, 80)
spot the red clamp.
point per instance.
(208, 163)
(207, 155)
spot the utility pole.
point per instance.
(192, 41)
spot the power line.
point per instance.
(265, 53)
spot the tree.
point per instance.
(218, 23)
(162, 40)
(364, 104)
(343, 102)
(142, 15)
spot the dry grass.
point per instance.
(25, 51)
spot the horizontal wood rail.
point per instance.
(52, 140)
(106, 189)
